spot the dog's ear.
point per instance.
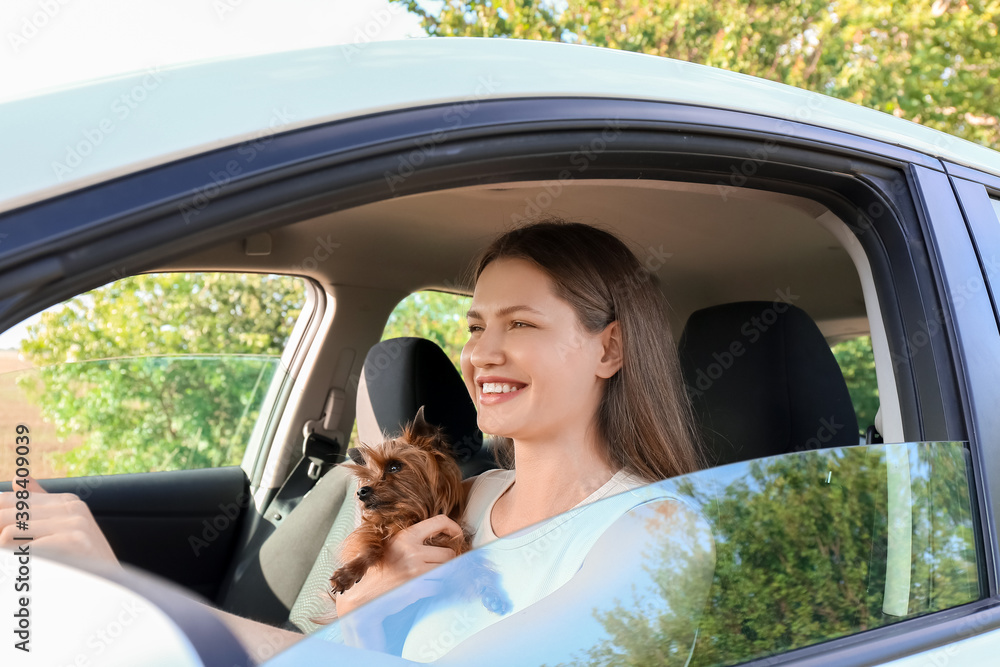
(421, 428)
(355, 455)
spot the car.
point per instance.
(205, 259)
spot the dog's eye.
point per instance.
(393, 466)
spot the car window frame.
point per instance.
(341, 164)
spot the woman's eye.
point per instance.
(473, 328)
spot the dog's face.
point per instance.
(407, 479)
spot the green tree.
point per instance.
(160, 371)
(857, 363)
(936, 63)
(801, 556)
(437, 316)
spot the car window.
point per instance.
(148, 373)
(857, 362)
(436, 316)
(717, 567)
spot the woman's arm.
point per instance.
(406, 557)
(260, 640)
(62, 524)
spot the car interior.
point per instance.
(725, 259)
(718, 260)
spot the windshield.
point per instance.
(713, 568)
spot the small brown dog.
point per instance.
(403, 481)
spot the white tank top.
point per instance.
(490, 485)
(532, 563)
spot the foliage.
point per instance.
(437, 316)
(160, 371)
(800, 559)
(857, 363)
(936, 63)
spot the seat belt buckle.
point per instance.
(322, 452)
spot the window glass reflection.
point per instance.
(713, 568)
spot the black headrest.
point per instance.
(402, 374)
(764, 381)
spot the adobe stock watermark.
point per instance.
(970, 627)
(33, 24)
(961, 295)
(455, 630)
(104, 637)
(221, 178)
(453, 117)
(827, 431)
(378, 21)
(119, 111)
(751, 330)
(224, 7)
(219, 523)
(265, 648)
(748, 168)
(655, 259)
(322, 251)
(581, 159)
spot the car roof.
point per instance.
(72, 137)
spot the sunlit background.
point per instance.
(53, 43)
(49, 43)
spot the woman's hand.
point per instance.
(406, 557)
(60, 523)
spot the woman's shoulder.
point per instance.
(483, 490)
(488, 480)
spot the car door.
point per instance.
(892, 200)
(149, 399)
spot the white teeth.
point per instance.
(498, 388)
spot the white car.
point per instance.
(310, 193)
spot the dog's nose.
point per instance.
(364, 492)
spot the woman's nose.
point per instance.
(487, 349)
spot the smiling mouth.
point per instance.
(497, 388)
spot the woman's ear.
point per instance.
(611, 342)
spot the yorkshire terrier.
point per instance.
(403, 481)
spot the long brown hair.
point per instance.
(645, 416)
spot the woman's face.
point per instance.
(525, 337)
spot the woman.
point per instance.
(570, 360)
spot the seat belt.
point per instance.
(319, 455)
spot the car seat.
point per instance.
(763, 381)
(282, 578)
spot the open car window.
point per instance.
(149, 373)
(718, 567)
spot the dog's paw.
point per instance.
(495, 600)
(342, 580)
